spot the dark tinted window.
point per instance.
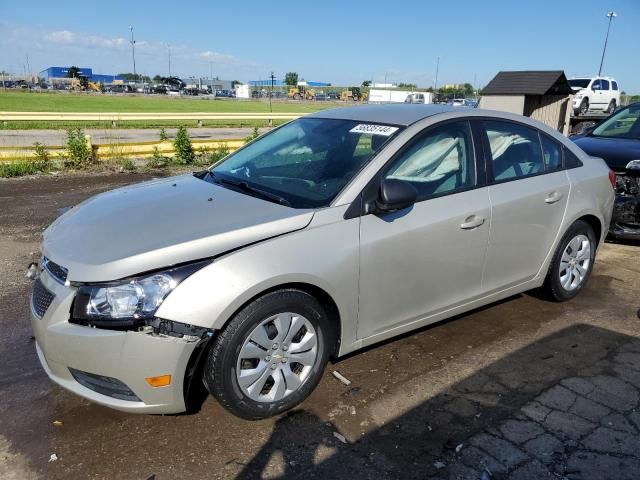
(614, 85)
(596, 85)
(570, 160)
(579, 82)
(515, 150)
(604, 84)
(552, 153)
(440, 161)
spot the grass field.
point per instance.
(25, 101)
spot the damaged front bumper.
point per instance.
(112, 367)
(625, 222)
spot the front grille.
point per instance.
(109, 386)
(41, 298)
(57, 271)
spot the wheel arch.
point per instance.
(595, 223)
(319, 293)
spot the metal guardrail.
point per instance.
(122, 116)
(120, 150)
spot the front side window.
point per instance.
(515, 150)
(596, 85)
(438, 162)
(624, 124)
(305, 163)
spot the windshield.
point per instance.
(579, 82)
(624, 124)
(306, 162)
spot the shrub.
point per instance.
(41, 160)
(79, 154)
(127, 164)
(183, 146)
(253, 136)
(157, 160)
(163, 135)
(17, 169)
(217, 154)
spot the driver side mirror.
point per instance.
(395, 195)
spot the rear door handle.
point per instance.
(553, 197)
(471, 222)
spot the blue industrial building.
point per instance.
(52, 73)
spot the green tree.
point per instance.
(235, 82)
(130, 77)
(408, 86)
(291, 78)
(73, 72)
(468, 89)
(366, 83)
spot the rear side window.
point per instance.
(552, 153)
(604, 84)
(614, 85)
(515, 150)
(570, 160)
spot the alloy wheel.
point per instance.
(575, 262)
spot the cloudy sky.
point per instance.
(326, 41)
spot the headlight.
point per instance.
(579, 95)
(128, 302)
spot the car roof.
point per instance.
(402, 114)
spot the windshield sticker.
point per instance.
(384, 130)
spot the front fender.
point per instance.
(324, 255)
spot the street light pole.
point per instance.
(169, 53)
(133, 54)
(435, 87)
(610, 15)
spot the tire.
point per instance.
(612, 107)
(584, 107)
(255, 342)
(568, 259)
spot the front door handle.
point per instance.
(471, 222)
(553, 197)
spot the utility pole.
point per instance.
(271, 95)
(435, 87)
(169, 54)
(610, 15)
(133, 54)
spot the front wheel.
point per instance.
(271, 355)
(584, 107)
(572, 263)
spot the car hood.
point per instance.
(160, 223)
(617, 152)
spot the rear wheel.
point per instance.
(271, 355)
(572, 262)
(612, 106)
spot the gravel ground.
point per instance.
(521, 389)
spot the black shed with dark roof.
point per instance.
(529, 82)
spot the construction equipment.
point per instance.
(82, 84)
(300, 92)
(353, 94)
